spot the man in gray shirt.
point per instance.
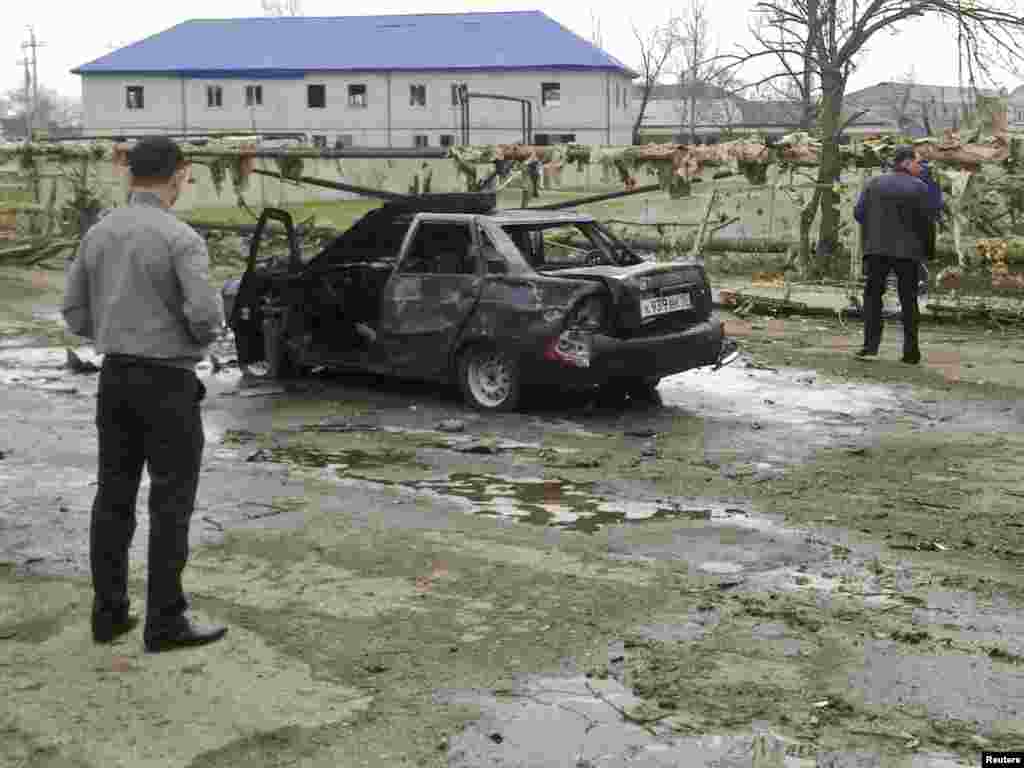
(139, 287)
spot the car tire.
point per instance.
(489, 379)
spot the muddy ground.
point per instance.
(799, 560)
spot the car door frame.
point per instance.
(422, 316)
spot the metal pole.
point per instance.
(34, 45)
(366, 191)
(28, 104)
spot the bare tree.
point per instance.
(824, 39)
(655, 52)
(794, 81)
(51, 107)
(282, 7)
(701, 70)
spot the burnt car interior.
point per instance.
(440, 248)
(548, 247)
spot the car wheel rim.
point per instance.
(490, 380)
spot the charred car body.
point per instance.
(448, 289)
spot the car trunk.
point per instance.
(652, 299)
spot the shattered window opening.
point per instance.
(357, 96)
(417, 95)
(316, 96)
(214, 96)
(440, 248)
(550, 94)
(574, 244)
(133, 95)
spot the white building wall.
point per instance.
(105, 110)
(587, 107)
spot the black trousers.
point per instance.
(876, 269)
(146, 414)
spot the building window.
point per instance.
(455, 94)
(319, 141)
(343, 140)
(617, 89)
(133, 97)
(214, 96)
(316, 96)
(357, 96)
(421, 140)
(447, 139)
(550, 94)
(254, 95)
(546, 139)
(417, 95)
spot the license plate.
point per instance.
(665, 304)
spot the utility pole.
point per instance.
(28, 100)
(33, 44)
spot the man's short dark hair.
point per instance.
(155, 157)
(902, 154)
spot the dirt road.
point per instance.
(799, 560)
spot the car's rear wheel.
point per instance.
(489, 379)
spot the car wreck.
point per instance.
(448, 288)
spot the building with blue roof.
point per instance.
(375, 81)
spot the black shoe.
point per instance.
(106, 626)
(865, 352)
(182, 634)
(911, 358)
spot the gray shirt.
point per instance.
(140, 286)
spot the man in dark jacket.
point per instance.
(895, 215)
(139, 287)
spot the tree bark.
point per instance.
(829, 249)
(640, 114)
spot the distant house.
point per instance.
(919, 110)
(384, 81)
(666, 118)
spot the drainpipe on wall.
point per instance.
(608, 105)
(388, 118)
(184, 107)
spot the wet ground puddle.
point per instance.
(577, 506)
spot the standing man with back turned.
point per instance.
(139, 287)
(895, 215)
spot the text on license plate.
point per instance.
(665, 304)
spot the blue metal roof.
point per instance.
(290, 46)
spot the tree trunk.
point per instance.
(693, 117)
(829, 250)
(806, 220)
(640, 114)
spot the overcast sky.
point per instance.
(76, 33)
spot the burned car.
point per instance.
(446, 288)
